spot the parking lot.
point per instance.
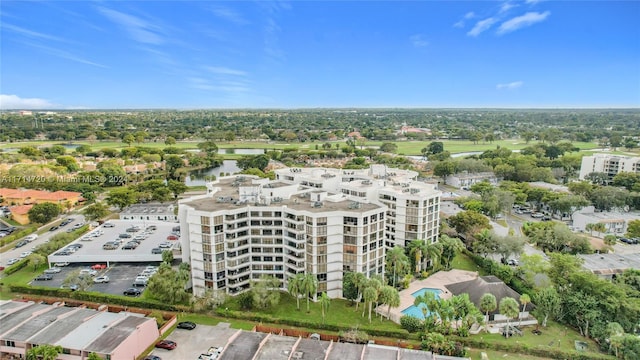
(121, 277)
(93, 251)
(192, 343)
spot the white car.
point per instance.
(12, 261)
(89, 272)
(25, 254)
(53, 270)
(108, 225)
(31, 237)
(101, 279)
(60, 264)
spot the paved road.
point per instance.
(15, 253)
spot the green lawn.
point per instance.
(476, 354)
(404, 147)
(463, 262)
(553, 336)
(340, 313)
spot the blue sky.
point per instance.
(297, 54)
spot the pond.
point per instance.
(198, 177)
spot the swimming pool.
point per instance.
(416, 311)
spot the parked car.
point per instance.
(12, 261)
(31, 237)
(88, 272)
(152, 357)
(172, 237)
(101, 279)
(99, 266)
(165, 245)
(72, 287)
(60, 264)
(513, 262)
(108, 225)
(188, 325)
(43, 277)
(166, 344)
(53, 270)
(54, 228)
(21, 243)
(124, 236)
(537, 215)
(132, 292)
(25, 254)
(156, 251)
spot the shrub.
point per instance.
(158, 316)
(410, 323)
(15, 267)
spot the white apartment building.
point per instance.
(608, 164)
(314, 220)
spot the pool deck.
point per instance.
(436, 281)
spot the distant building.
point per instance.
(615, 223)
(466, 180)
(27, 197)
(78, 330)
(608, 266)
(150, 211)
(20, 214)
(608, 164)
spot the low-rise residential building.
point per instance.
(20, 214)
(608, 164)
(465, 180)
(150, 211)
(27, 197)
(615, 223)
(307, 220)
(78, 330)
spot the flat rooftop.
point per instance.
(35, 324)
(148, 209)
(344, 351)
(276, 347)
(604, 264)
(59, 329)
(244, 346)
(312, 349)
(116, 334)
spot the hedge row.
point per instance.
(95, 297)
(520, 348)
(243, 315)
(17, 266)
(17, 235)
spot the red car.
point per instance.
(166, 344)
(99, 267)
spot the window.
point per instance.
(205, 220)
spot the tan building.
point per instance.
(319, 221)
(27, 197)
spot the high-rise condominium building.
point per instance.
(314, 220)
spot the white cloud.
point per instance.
(469, 15)
(229, 15)
(482, 26)
(506, 6)
(64, 54)
(138, 29)
(510, 86)
(418, 41)
(16, 102)
(533, 1)
(221, 70)
(30, 33)
(459, 24)
(521, 21)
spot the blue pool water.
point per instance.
(416, 311)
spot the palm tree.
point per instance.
(488, 303)
(391, 297)
(600, 228)
(295, 287)
(324, 304)
(309, 287)
(370, 295)
(450, 248)
(398, 261)
(434, 253)
(524, 300)
(509, 308)
(360, 282)
(44, 352)
(374, 283)
(589, 228)
(416, 249)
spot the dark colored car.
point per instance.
(132, 292)
(166, 344)
(43, 277)
(186, 325)
(152, 357)
(53, 228)
(156, 251)
(21, 243)
(124, 236)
